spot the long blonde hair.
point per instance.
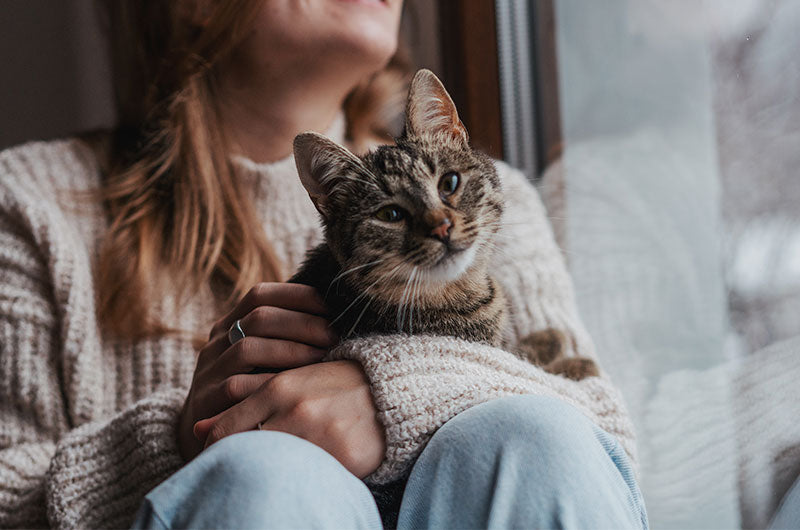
(177, 219)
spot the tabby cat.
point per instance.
(408, 234)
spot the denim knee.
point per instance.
(258, 459)
(550, 436)
(535, 424)
(261, 479)
(523, 461)
(269, 463)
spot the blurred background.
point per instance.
(665, 138)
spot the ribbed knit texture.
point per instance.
(767, 403)
(88, 425)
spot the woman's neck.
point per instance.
(262, 118)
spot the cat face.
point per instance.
(424, 209)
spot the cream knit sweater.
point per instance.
(88, 424)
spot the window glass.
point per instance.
(677, 201)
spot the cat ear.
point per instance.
(430, 109)
(319, 162)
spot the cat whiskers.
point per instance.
(387, 307)
(401, 310)
(387, 276)
(416, 292)
(360, 316)
(365, 293)
(411, 296)
(510, 240)
(348, 271)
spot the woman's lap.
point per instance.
(528, 461)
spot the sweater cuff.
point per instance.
(101, 471)
(420, 382)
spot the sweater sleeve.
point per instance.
(52, 473)
(101, 471)
(420, 382)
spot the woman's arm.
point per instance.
(51, 473)
(101, 471)
(420, 382)
(94, 476)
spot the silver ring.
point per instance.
(235, 333)
(259, 426)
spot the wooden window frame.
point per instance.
(468, 32)
(470, 70)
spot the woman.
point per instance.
(117, 253)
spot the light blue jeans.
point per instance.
(788, 514)
(516, 462)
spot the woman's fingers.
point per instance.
(237, 387)
(212, 350)
(291, 296)
(298, 339)
(278, 323)
(258, 352)
(274, 338)
(283, 329)
(233, 389)
(244, 416)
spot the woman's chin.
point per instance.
(357, 53)
(368, 41)
(370, 25)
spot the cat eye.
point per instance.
(448, 183)
(390, 214)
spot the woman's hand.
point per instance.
(285, 329)
(329, 404)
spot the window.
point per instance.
(666, 140)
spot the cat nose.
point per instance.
(442, 232)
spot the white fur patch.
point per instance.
(450, 268)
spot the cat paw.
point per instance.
(544, 346)
(575, 368)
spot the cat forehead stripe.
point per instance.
(403, 161)
(419, 170)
